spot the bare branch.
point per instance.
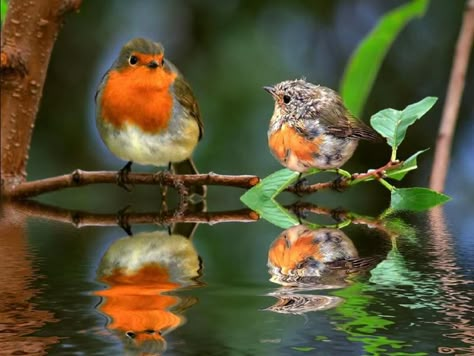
(80, 178)
(453, 100)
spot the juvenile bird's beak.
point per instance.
(153, 64)
(270, 90)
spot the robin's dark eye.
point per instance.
(133, 60)
(162, 62)
(131, 334)
(286, 99)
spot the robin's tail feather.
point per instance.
(187, 167)
(364, 134)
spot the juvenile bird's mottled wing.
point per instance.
(330, 114)
(354, 265)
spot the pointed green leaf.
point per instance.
(270, 186)
(261, 198)
(365, 62)
(407, 166)
(274, 213)
(416, 199)
(392, 124)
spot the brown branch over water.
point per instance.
(80, 178)
(453, 100)
(28, 36)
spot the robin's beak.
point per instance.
(270, 90)
(153, 64)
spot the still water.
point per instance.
(96, 291)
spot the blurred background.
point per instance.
(228, 51)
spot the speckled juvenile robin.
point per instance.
(146, 111)
(311, 127)
(300, 255)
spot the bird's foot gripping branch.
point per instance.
(389, 123)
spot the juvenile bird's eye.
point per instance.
(133, 60)
(286, 99)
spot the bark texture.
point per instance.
(28, 36)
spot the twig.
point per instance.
(81, 218)
(345, 182)
(453, 99)
(80, 178)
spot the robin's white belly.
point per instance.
(130, 143)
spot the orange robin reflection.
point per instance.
(146, 112)
(303, 255)
(311, 127)
(141, 272)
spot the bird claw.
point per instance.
(339, 184)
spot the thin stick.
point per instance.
(453, 99)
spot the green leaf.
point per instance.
(261, 198)
(408, 165)
(392, 124)
(365, 62)
(416, 199)
(3, 10)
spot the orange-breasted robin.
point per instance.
(303, 255)
(146, 112)
(311, 127)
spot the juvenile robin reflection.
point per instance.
(325, 256)
(140, 272)
(305, 259)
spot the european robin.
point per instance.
(302, 255)
(311, 127)
(146, 112)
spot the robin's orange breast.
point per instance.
(287, 141)
(286, 253)
(139, 96)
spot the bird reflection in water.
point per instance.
(140, 272)
(302, 259)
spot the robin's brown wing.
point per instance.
(185, 96)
